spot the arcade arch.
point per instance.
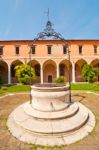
(3, 72)
(49, 71)
(36, 65)
(95, 64)
(78, 67)
(13, 65)
(64, 68)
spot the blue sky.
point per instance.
(74, 19)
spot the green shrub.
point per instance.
(1, 80)
(89, 73)
(25, 73)
(61, 80)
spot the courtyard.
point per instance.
(9, 102)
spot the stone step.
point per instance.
(41, 139)
(50, 126)
(65, 113)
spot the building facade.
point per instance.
(49, 58)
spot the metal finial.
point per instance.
(47, 13)
(49, 32)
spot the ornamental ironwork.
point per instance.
(49, 32)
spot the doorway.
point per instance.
(49, 78)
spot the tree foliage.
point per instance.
(24, 73)
(60, 79)
(89, 73)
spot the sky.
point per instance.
(24, 19)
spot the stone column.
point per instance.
(73, 73)
(9, 74)
(57, 70)
(41, 73)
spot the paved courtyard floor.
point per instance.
(10, 102)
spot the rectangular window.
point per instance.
(64, 49)
(49, 49)
(33, 49)
(17, 50)
(80, 49)
(1, 50)
(95, 49)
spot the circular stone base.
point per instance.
(51, 128)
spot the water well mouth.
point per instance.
(50, 87)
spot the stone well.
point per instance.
(50, 119)
(49, 97)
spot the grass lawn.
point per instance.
(86, 86)
(26, 88)
(14, 88)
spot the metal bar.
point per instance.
(30, 75)
(49, 32)
(69, 74)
